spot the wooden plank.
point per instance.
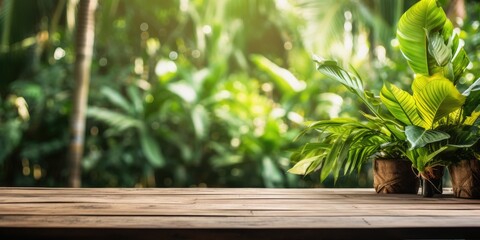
(256, 210)
(234, 209)
(223, 222)
(331, 212)
(278, 199)
(188, 191)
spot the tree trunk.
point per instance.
(84, 48)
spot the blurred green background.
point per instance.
(205, 93)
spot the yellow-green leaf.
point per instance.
(436, 100)
(423, 17)
(400, 104)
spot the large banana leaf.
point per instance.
(436, 100)
(422, 18)
(401, 104)
(421, 81)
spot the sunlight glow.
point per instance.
(295, 117)
(196, 53)
(394, 43)
(22, 108)
(165, 66)
(37, 172)
(103, 62)
(235, 142)
(138, 66)
(288, 45)
(469, 77)
(184, 5)
(59, 53)
(475, 25)
(207, 30)
(381, 53)
(173, 55)
(144, 26)
(282, 4)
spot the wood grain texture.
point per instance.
(72, 213)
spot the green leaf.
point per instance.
(342, 157)
(460, 59)
(365, 144)
(183, 90)
(332, 70)
(438, 49)
(424, 16)
(353, 83)
(343, 144)
(272, 176)
(151, 149)
(117, 120)
(10, 137)
(303, 165)
(470, 120)
(136, 99)
(200, 121)
(419, 137)
(475, 87)
(473, 98)
(463, 136)
(400, 104)
(425, 157)
(332, 158)
(117, 99)
(283, 78)
(6, 15)
(436, 99)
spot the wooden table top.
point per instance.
(209, 213)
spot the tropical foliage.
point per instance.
(432, 119)
(435, 113)
(198, 92)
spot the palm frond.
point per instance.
(114, 119)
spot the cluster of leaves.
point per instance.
(182, 92)
(434, 118)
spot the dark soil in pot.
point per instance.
(394, 176)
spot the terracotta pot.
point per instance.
(394, 176)
(465, 177)
(432, 181)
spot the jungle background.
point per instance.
(191, 93)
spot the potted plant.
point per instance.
(435, 119)
(462, 154)
(346, 144)
(447, 127)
